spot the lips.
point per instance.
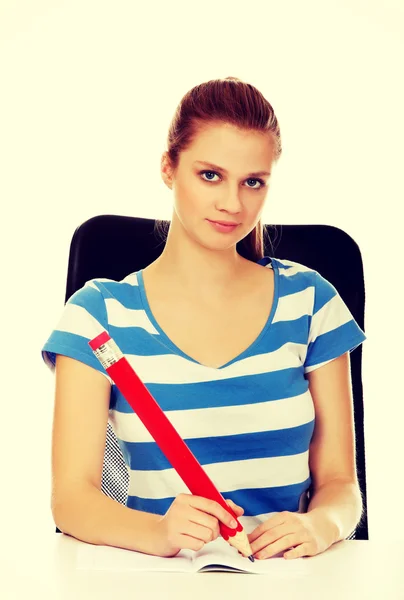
(229, 223)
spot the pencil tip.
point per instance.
(251, 558)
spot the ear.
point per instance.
(166, 170)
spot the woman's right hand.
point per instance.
(191, 522)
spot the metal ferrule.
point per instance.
(108, 354)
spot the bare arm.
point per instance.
(79, 507)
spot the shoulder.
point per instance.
(106, 288)
(103, 298)
(318, 289)
(290, 269)
(298, 281)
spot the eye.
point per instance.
(203, 172)
(261, 182)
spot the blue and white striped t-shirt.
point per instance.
(249, 422)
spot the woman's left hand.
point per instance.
(302, 534)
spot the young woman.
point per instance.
(247, 354)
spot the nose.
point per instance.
(229, 200)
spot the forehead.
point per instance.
(224, 144)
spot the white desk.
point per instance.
(46, 568)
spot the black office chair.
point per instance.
(113, 246)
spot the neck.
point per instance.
(199, 271)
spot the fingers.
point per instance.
(237, 509)
(193, 521)
(213, 508)
(202, 533)
(208, 522)
(189, 543)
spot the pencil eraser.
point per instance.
(96, 342)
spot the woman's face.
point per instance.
(234, 193)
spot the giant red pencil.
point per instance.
(164, 433)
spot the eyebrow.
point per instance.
(212, 166)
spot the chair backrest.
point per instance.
(113, 246)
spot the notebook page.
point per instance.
(109, 558)
(219, 553)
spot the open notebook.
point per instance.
(215, 556)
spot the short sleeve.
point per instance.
(333, 330)
(84, 316)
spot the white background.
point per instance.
(88, 89)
